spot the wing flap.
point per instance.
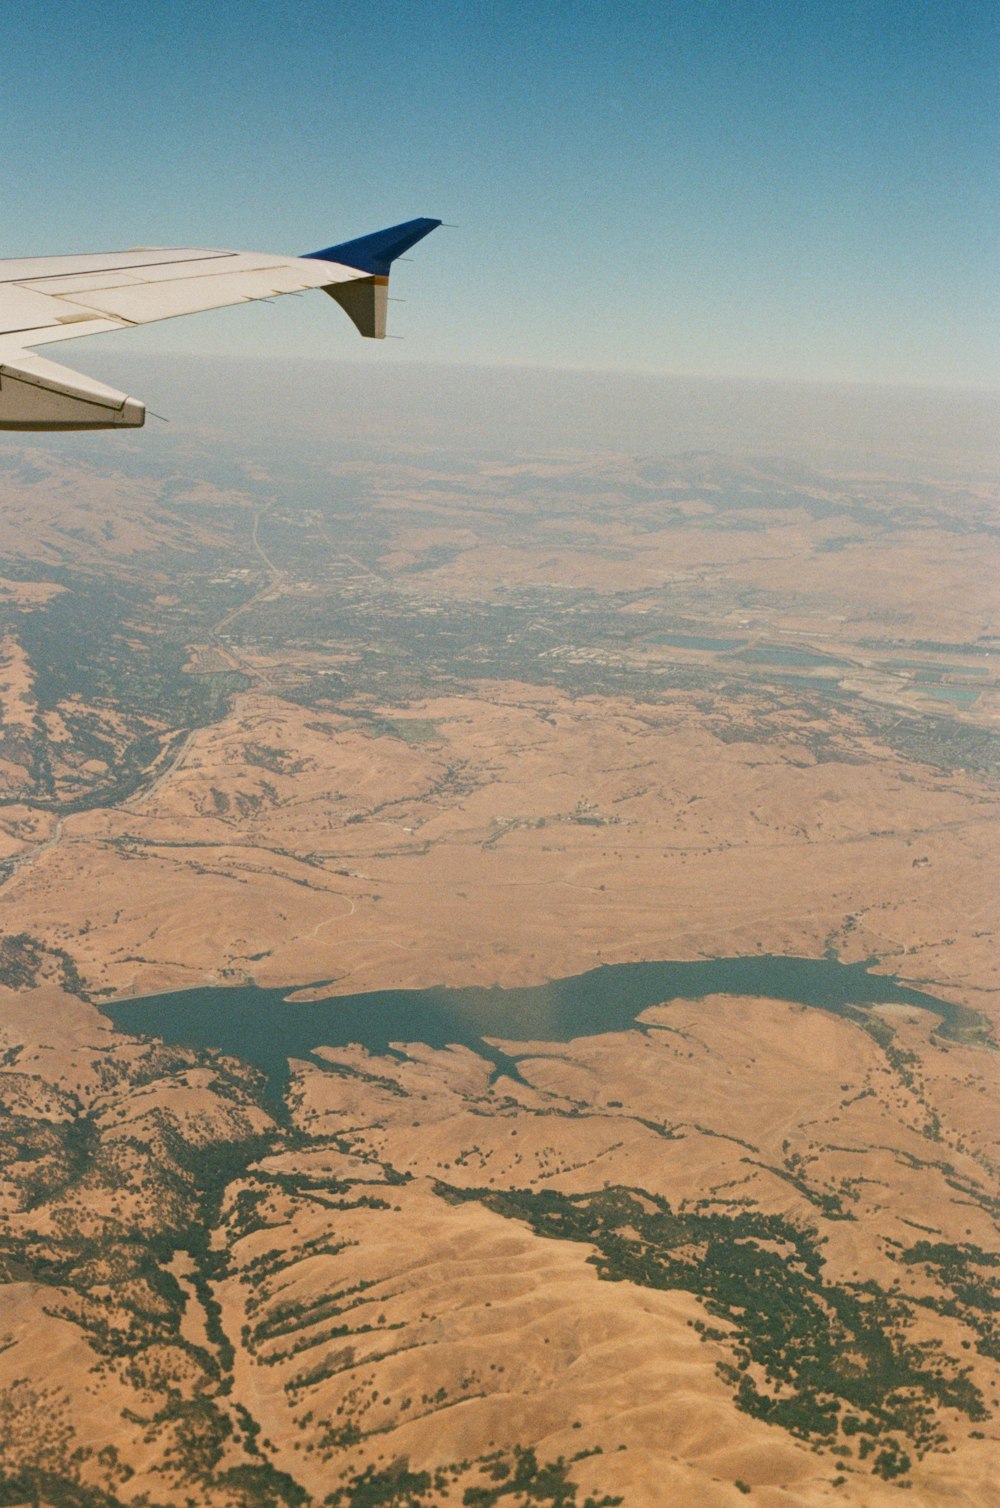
(165, 298)
(135, 289)
(220, 265)
(24, 310)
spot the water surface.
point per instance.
(788, 654)
(264, 1027)
(696, 641)
(963, 695)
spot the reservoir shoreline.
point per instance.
(265, 1027)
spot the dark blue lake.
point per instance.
(788, 654)
(263, 1027)
(963, 695)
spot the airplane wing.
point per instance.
(47, 299)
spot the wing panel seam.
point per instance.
(215, 256)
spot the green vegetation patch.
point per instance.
(261, 1485)
(113, 668)
(825, 1361)
(25, 962)
(974, 1292)
(518, 1479)
(19, 1488)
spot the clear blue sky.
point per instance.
(800, 188)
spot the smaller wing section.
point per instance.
(37, 394)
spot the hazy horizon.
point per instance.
(514, 410)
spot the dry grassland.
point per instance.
(527, 836)
(745, 1251)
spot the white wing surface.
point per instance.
(48, 299)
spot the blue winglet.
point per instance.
(376, 253)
